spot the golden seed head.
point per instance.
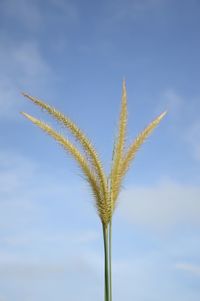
(105, 190)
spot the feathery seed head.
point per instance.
(104, 189)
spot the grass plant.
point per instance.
(105, 188)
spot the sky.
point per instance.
(74, 55)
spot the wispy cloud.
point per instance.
(32, 255)
(28, 59)
(68, 9)
(130, 9)
(23, 12)
(192, 138)
(31, 16)
(22, 59)
(25, 213)
(183, 119)
(24, 239)
(171, 101)
(163, 206)
(188, 267)
(23, 65)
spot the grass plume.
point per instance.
(101, 205)
(84, 141)
(118, 150)
(140, 139)
(105, 189)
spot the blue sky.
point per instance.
(74, 55)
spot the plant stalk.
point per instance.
(110, 259)
(106, 262)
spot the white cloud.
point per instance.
(78, 239)
(32, 15)
(183, 119)
(22, 65)
(16, 171)
(26, 200)
(67, 8)
(161, 207)
(8, 97)
(171, 101)
(25, 12)
(188, 267)
(192, 137)
(16, 205)
(130, 9)
(22, 61)
(28, 60)
(36, 257)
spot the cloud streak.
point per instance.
(23, 65)
(189, 268)
(192, 138)
(163, 206)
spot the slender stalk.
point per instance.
(110, 258)
(106, 262)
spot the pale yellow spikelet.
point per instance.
(132, 150)
(118, 150)
(105, 190)
(101, 205)
(80, 136)
(130, 154)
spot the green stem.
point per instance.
(110, 259)
(106, 262)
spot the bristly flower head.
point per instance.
(104, 189)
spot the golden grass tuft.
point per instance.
(105, 189)
(79, 135)
(118, 150)
(140, 139)
(101, 204)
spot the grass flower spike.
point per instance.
(105, 189)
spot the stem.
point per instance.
(110, 258)
(106, 264)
